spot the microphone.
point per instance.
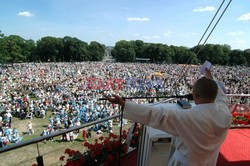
(187, 96)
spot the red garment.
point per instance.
(84, 134)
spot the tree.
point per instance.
(96, 51)
(159, 53)
(29, 51)
(12, 49)
(124, 51)
(75, 50)
(246, 54)
(237, 58)
(183, 55)
(1, 34)
(215, 53)
(139, 48)
(50, 49)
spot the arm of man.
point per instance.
(160, 117)
(221, 97)
(171, 120)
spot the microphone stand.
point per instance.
(120, 139)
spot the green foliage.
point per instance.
(128, 51)
(124, 51)
(50, 49)
(183, 55)
(96, 51)
(14, 49)
(237, 58)
(75, 50)
(246, 54)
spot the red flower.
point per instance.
(235, 121)
(125, 149)
(101, 138)
(110, 158)
(69, 163)
(81, 160)
(91, 147)
(109, 148)
(62, 158)
(93, 155)
(106, 142)
(124, 136)
(76, 163)
(116, 144)
(86, 144)
(111, 135)
(245, 122)
(124, 132)
(133, 142)
(135, 134)
(96, 140)
(235, 114)
(115, 136)
(98, 151)
(67, 151)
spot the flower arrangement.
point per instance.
(104, 151)
(240, 119)
(135, 138)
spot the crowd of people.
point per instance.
(71, 90)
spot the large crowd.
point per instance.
(71, 90)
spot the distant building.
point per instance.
(142, 60)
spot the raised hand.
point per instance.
(115, 99)
(208, 74)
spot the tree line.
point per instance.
(15, 49)
(128, 51)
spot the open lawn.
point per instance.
(50, 150)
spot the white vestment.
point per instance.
(198, 131)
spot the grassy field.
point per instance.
(50, 150)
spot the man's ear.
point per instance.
(196, 95)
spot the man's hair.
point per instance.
(206, 88)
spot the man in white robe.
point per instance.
(198, 131)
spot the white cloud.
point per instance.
(204, 9)
(137, 19)
(184, 35)
(136, 34)
(195, 34)
(239, 42)
(167, 34)
(125, 8)
(25, 14)
(157, 37)
(244, 17)
(236, 33)
(147, 37)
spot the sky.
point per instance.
(171, 22)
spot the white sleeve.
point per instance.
(157, 117)
(221, 97)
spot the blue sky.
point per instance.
(172, 22)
